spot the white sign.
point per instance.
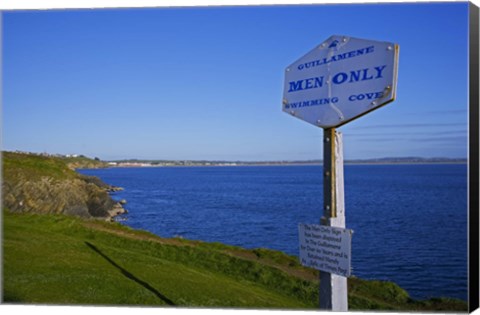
(326, 248)
(341, 79)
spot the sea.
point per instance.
(409, 220)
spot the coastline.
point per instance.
(238, 175)
(285, 164)
(53, 190)
(47, 185)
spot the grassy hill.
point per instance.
(82, 161)
(57, 259)
(34, 167)
(35, 183)
(53, 258)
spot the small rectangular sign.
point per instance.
(326, 248)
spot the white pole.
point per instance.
(333, 288)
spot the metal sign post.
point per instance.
(336, 82)
(333, 288)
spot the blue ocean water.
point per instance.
(409, 221)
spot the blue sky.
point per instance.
(207, 83)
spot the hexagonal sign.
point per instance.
(341, 79)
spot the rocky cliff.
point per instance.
(33, 183)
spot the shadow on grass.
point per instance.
(10, 298)
(131, 276)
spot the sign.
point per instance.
(326, 248)
(341, 79)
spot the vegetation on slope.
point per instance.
(18, 166)
(66, 260)
(34, 183)
(82, 161)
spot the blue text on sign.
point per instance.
(338, 78)
(334, 58)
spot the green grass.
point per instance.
(83, 162)
(33, 167)
(57, 259)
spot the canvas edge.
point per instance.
(473, 263)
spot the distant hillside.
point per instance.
(35, 183)
(387, 160)
(406, 160)
(82, 161)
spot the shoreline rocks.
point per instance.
(116, 210)
(75, 197)
(114, 189)
(46, 185)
